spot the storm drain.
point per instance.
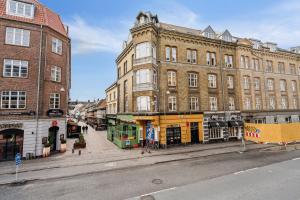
(157, 181)
(147, 197)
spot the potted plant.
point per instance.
(80, 143)
(63, 145)
(46, 149)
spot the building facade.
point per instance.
(193, 85)
(35, 78)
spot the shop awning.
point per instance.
(216, 124)
(235, 123)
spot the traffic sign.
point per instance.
(18, 159)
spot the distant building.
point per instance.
(35, 52)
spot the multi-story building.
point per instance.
(35, 78)
(112, 99)
(185, 85)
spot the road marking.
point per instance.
(247, 170)
(169, 189)
(296, 159)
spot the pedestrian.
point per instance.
(87, 129)
(82, 129)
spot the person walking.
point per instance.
(86, 128)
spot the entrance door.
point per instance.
(194, 132)
(11, 143)
(52, 137)
(173, 136)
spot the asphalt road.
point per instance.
(129, 183)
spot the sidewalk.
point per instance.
(74, 165)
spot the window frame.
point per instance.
(9, 96)
(18, 3)
(56, 74)
(172, 78)
(172, 103)
(58, 47)
(212, 82)
(56, 98)
(193, 79)
(12, 65)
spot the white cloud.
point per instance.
(87, 38)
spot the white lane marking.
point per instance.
(169, 189)
(296, 159)
(247, 170)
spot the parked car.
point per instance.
(101, 127)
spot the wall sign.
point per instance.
(55, 113)
(30, 113)
(11, 126)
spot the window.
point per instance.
(193, 80)
(13, 100)
(54, 101)
(231, 105)
(143, 76)
(230, 82)
(213, 103)
(269, 67)
(271, 102)
(293, 69)
(257, 84)
(125, 67)
(172, 103)
(55, 73)
(119, 72)
(295, 103)
(294, 86)
(126, 104)
(194, 104)
(282, 85)
(174, 54)
(143, 103)
(19, 37)
(114, 95)
(212, 81)
(168, 54)
(284, 102)
(211, 58)
(247, 103)
(270, 84)
(255, 64)
(125, 87)
(132, 60)
(56, 46)
(143, 50)
(15, 68)
(229, 61)
(281, 68)
(245, 62)
(171, 78)
(246, 82)
(257, 102)
(191, 56)
(20, 9)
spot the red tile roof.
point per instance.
(42, 16)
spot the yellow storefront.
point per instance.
(173, 128)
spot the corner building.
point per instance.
(194, 86)
(35, 78)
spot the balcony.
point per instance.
(144, 87)
(144, 60)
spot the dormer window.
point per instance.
(209, 35)
(20, 9)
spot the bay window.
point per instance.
(143, 103)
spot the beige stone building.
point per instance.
(199, 85)
(112, 99)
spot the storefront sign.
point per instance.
(173, 126)
(55, 113)
(149, 131)
(31, 113)
(11, 126)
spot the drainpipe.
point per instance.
(38, 90)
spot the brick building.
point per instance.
(35, 78)
(189, 85)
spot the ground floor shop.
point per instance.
(29, 137)
(271, 117)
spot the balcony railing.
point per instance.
(145, 60)
(144, 87)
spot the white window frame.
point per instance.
(12, 37)
(168, 54)
(212, 81)
(143, 50)
(247, 103)
(18, 8)
(19, 64)
(284, 102)
(143, 103)
(257, 84)
(231, 104)
(18, 96)
(246, 82)
(213, 103)
(230, 82)
(294, 86)
(282, 84)
(143, 76)
(172, 103)
(194, 103)
(57, 46)
(174, 54)
(56, 74)
(54, 102)
(172, 75)
(228, 61)
(193, 80)
(272, 103)
(257, 102)
(270, 84)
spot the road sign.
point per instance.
(18, 159)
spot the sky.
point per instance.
(99, 27)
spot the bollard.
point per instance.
(73, 150)
(79, 152)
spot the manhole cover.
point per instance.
(157, 181)
(148, 197)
